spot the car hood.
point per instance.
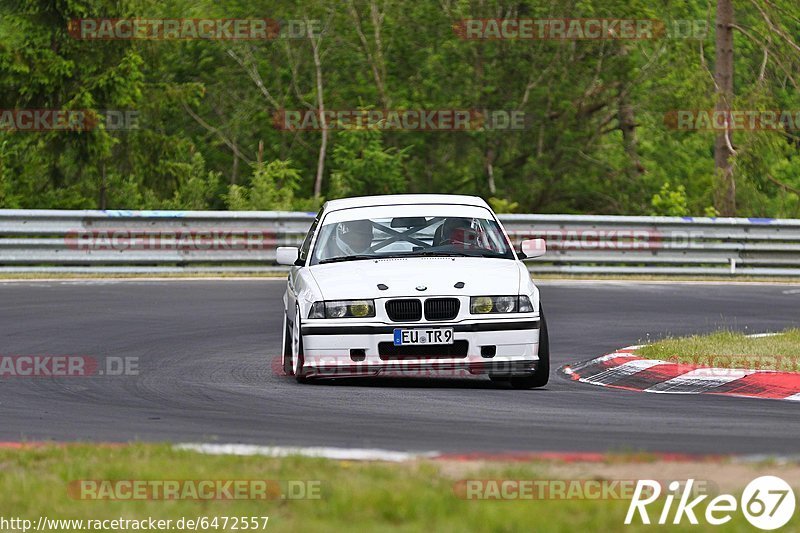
(360, 279)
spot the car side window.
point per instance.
(309, 237)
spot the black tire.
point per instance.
(542, 374)
(299, 373)
(286, 355)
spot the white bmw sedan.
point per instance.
(402, 283)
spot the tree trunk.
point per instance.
(627, 124)
(323, 148)
(234, 167)
(626, 118)
(376, 61)
(725, 197)
(490, 154)
(103, 188)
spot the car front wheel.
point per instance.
(286, 353)
(542, 374)
(298, 362)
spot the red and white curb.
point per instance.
(624, 370)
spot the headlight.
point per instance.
(505, 304)
(525, 305)
(343, 309)
(481, 305)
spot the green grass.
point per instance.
(415, 496)
(728, 349)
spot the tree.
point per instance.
(362, 166)
(594, 138)
(723, 78)
(273, 188)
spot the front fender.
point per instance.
(305, 289)
(528, 287)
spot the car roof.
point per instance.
(403, 199)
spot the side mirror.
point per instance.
(287, 255)
(532, 248)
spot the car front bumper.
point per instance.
(499, 347)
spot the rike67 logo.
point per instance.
(767, 502)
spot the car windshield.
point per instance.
(413, 232)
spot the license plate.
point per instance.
(423, 336)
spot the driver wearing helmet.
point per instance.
(459, 232)
(354, 237)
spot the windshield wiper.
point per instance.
(476, 253)
(443, 254)
(349, 258)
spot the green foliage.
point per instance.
(670, 202)
(197, 188)
(272, 189)
(206, 109)
(362, 166)
(502, 205)
(6, 201)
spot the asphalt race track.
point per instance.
(204, 352)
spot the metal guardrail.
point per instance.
(236, 241)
